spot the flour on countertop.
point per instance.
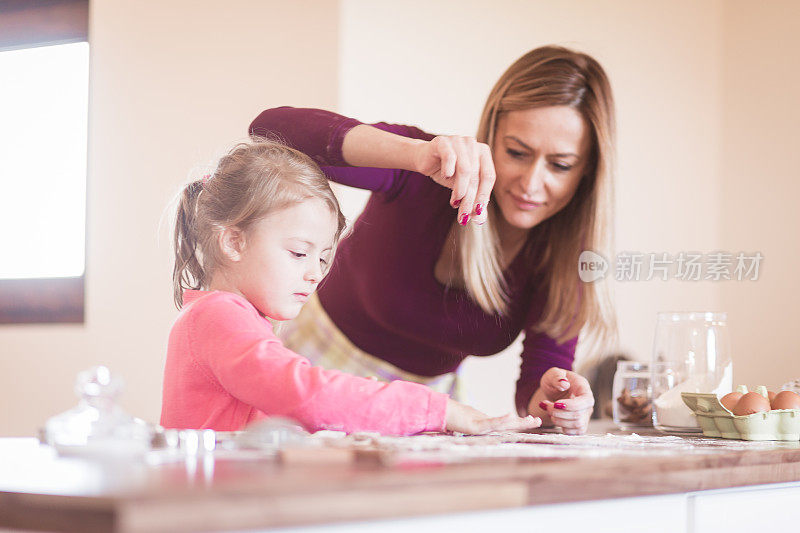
(459, 448)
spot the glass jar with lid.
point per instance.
(632, 395)
(691, 353)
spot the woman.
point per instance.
(414, 290)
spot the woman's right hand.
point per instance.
(463, 165)
(464, 419)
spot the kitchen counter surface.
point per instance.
(222, 491)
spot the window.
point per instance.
(44, 85)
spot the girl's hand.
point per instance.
(464, 419)
(463, 165)
(567, 399)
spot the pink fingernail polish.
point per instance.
(464, 219)
(542, 405)
(478, 209)
(565, 380)
(559, 405)
(457, 203)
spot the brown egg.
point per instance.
(771, 396)
(729, 400)
(786, 400)
(750, 403)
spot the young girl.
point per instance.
(253, 241)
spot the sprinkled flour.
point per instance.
(459, 448)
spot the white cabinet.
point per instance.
(746, 509)
(743, 509)
(653, 514)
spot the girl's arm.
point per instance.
(464, 419)
(251, 364)
(458, 163)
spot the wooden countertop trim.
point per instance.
(236, 511)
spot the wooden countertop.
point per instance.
(42, 491)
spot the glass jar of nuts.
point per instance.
(631, 393)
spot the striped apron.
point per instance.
(313, 335)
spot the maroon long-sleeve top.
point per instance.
(381, 290)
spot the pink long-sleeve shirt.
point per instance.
(226, 368)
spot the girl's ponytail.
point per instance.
(188, 272)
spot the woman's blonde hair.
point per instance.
(252, 180)
(553, 76)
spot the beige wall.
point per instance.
(761, 184)
(707, 152)
(172, 84)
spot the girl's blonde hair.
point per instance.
(553, 76)
(251, 181)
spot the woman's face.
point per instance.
(539, 155)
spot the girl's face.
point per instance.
(539, 155)
(284, 257)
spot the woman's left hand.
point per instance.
(567, 399)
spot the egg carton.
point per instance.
(716, 421)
